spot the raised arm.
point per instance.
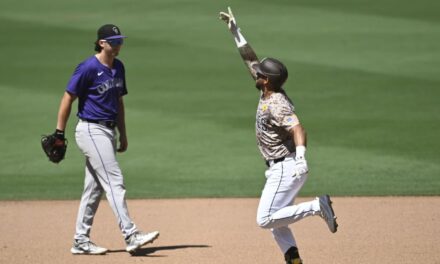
(247, 53)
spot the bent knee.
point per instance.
(264, 222)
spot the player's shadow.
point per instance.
(144, 252)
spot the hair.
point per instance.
(98, 48)
(276, 86)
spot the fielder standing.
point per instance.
(99, 84)
(282, 142)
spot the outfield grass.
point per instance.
(364, 76)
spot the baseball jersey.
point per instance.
(98, 89)
(275, 118)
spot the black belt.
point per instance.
(109, 124)
(275, 161)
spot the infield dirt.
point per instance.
(371, 230)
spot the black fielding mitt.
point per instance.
(55, 146)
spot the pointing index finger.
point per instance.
(230, 11)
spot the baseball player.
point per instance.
(99, 84)
(282, 142)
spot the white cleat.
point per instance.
(327, 212)
(139, 239)
(87, 248)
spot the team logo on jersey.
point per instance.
(291, 120)
(110, 84)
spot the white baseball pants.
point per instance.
(102, 174)
(276, 210)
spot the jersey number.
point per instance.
(262, 124)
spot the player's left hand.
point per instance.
(55, 146)
(229, 19)
(301, 167)
(123, 143)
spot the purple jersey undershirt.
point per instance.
(98, 89)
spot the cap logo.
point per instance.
(115, 29)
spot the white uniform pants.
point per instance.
(276, 210)
(102, 174)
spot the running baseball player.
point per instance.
(99, 84)
(282, 142)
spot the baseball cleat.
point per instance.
(139, 239)
(292, 256)
(87, 248)
(327, 212)
(294, 261)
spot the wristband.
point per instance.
(300, 152)
(239, 39)
(59, 134)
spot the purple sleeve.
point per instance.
(79, 80)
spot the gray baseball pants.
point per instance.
(102, 174)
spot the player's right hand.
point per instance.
(301, 167)
(228, 18)
(123, 144)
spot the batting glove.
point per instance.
(229, 19)
(301, 167)
(232, 25)
(300, 161)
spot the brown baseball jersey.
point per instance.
(275, 118)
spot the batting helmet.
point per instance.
(274, 70)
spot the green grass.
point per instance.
(364, 76)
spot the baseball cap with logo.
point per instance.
(109, 31)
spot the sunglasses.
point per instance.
(115, 42)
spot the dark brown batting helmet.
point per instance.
(274, 70)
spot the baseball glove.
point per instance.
(54, 146)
